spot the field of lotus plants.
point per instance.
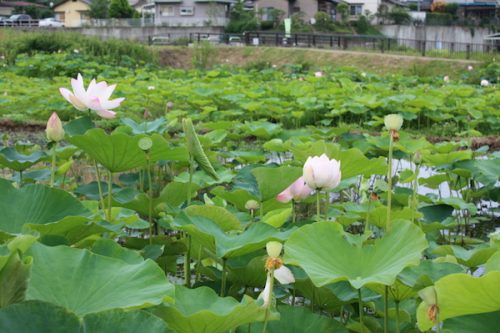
(261, 200)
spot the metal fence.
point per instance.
(158, 22)
(379, 44)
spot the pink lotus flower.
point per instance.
(321, 173)
(96, 97)
(318, 74)
(54, 130)
(297, 191)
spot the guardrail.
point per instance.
(379, 44)
(27, 23)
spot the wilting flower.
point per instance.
(446, 79)
(321, 173)
(297, 191)
(429, 296)
(275, 269)
(96, 97)
(485, 83)
(393, 122)
(318, 74)
(54, 130)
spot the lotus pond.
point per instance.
(229, 200)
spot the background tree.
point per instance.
(121, 9)
(99, 9)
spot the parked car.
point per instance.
(19, 19)
(51, 22)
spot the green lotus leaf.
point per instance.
(209, 313)
(196, 150)
(35, 204)
(38, 317)
(484, 322)
(484, 171)
(226, 220)
(12, 159)
(147, 127)
(84, 282)
(69, 230)
(277, 217)
(120, 321)
(43, 317)
(427, 273)
(493, 264)
(211, 236)
(470, 258)
(78, 126)
(116, 152)
(109, 248)
(461, 295)
(298, 320)
(238, 197)
(272, 180)
(322, 250)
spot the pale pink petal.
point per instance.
(285, 196)
(308, 173)
(77, 103)
(65, 93)
(106, 104)
(95, 105)
(284, 275)
(266, 293)
(299, 189)
(108, 91)
(97, 90)
(78, 88)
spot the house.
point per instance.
(192, 12)
(72, 12)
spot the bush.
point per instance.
(121, 9)
(399, 15)
(323, 22)
(362, 25)
(99, 9)
(241, 20)
(436, 18)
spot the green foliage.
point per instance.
(241, 20)
(343, 10)
(203, 55)
(121, 9)
(399, 15)
(99, 9)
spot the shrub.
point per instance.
(399, 15)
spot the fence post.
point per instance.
(382, 45)
(308, 40)
(467, 55)
(276, 40)
(198, 37)
(314, 40)
(331, 41)
(423, 47)
(296, 40)
(389, 45)
(345, 43)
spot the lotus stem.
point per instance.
(110, 193)
(150, 210)
(99, 187)
(318, 211)
(269, 301)
(397, 316)
(191, 171)
(361, 311)
(294, 204)
(187, 263)
(389, 185)
(327, 204)
(224, 277)
(20, 179)
(386, 309)
(414, 194)
(53, 165)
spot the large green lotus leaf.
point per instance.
(427, 273)
(378, 216)
(202, 311)
(38, 317)
(116, 152)
(12, 159)
(78, 126)
(210, 235)
(302, 151)
(84, 282)
(323, 251)
(158, 125)
(120, 321)
(485, 323)
(238, 197)
(470, 258)
(34, 204)
(493, 264)
(461, 295)
(109, 248)
(298, 320)
(484, 171)
(225, 220)
(69, 230)
(354, 163)
(272, 180)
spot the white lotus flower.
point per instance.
(318, 74)
(96, 97)
(469, 68)
(446, 79)
(322, 173)
(485, 83)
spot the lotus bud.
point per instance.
(485, 83)
(169, 106)
(417, 157)
(321, 173)
(54, 131)
(252, 205)
(274, 249)
(393, 122)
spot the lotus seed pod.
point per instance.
(417, 157)
(274, 249)
(393, 122)
(252, 205)
(145, 143)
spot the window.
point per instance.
(168, 11)
(356, 10)
(187, 11)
